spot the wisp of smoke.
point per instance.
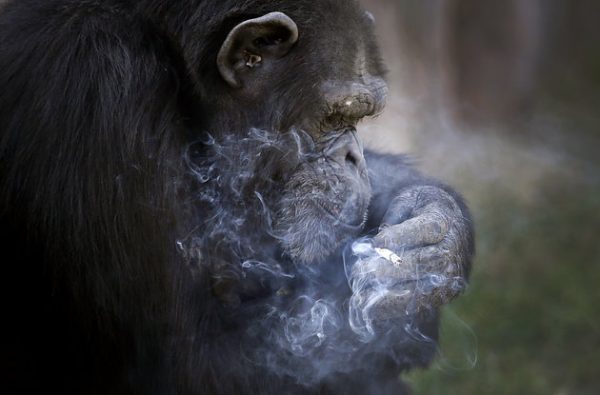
(302, 321)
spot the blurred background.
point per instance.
(501, 99)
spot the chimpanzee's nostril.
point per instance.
(351, 159)
(346, 150)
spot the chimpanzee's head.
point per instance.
(309, 67)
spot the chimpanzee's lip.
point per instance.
(335, 132)
(334, 213)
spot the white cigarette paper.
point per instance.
(389, 255)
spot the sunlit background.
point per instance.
(501, 99)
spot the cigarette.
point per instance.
(389, 255)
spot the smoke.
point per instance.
(370, 292)
(304, 322)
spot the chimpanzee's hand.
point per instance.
(425, 242)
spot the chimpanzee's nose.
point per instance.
(347, 150)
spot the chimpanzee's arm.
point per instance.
(427, 226)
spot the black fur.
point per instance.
(99, 101)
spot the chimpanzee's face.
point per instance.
(293, 78)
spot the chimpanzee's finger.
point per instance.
(415, 201)
(406, 266)
(430, 227)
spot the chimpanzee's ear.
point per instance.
(253, 44)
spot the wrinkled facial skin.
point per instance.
(325, 195)
(324, 201)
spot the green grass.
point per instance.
(532, 313)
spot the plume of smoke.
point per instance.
(304, 322)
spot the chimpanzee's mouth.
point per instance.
(334, 129)
(335, 213)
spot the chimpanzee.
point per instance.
(186, 207)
